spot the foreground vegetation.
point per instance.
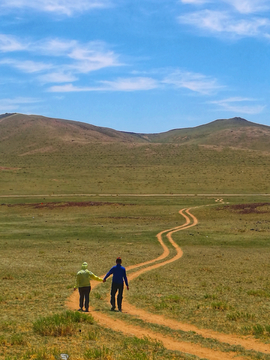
(221, 283)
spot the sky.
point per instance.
(145, 66)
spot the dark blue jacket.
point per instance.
(119, 274)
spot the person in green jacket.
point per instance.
(83, 284)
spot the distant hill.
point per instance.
(40, 155)
(235, 132)
(22, 133)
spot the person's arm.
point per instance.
(94, 277)
(126, 280)
(108, 274)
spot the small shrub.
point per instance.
(248, 316)
(61, 324)
(267, 329)
(240, 315)
(3, 341)
(7, 326)
(172, 298)
(233, 316)
(78, 317)
(219, 306)
(42, 354)
(246, 330)
(208, 296)
(162, 305)
(17, 339)
(98, 296)
(92, 335)
(259, 293)
(99, 353)
(8, 277)
(258, 330)
(141, 349)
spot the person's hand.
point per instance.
(104, 280)
(127, 287)
(74, 289)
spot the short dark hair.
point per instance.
(118, 260)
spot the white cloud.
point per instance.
(9, 105)
(224, 22)
(10, 43)
(54, 47)
(27, 66)
(195, 2)
(127, 84)
(241, 6)
(248, 6)
(239, 105)
(86, 57)
(193, 81)
(57, 77)
(65, 7)
(131, 84)
(73, 58)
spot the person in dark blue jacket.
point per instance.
(119, 276)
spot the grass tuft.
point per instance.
(42, 354)
(219, 305)
(258, 330)
(8, 277)
(259, 293)
(17, 339)
(61, 324)
(102, 353)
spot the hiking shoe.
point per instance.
(80, 309)
(86, 310)
(113, 308)
(120, 310)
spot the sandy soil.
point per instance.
(111, 320)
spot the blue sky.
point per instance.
(143, 66)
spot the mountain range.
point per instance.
(19, 132)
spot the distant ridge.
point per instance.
(6, 115)
(19, 132)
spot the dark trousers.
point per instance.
(84, 296)
(117, 287)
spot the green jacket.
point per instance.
(83, 277)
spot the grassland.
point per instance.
(49, 156)
(221, 283)
(47, 230)
(116, 168)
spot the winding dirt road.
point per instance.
(111, 320)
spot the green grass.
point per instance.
(61, 324)
(221, 282)
(133, 168)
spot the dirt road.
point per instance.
(111, 320)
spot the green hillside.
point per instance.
(40, 155)
(236, 132)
